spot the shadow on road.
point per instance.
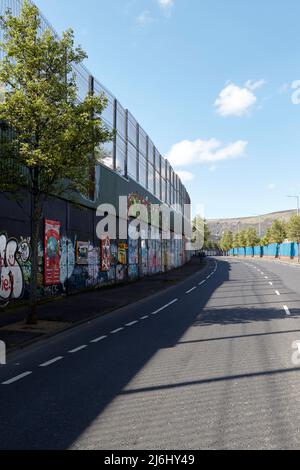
(68, 400)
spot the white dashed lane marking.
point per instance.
(165, 306)
(132, 323)
(52, 361)
(80, 348)
(117, 331)
(277, 292)
(97, 340)
(287, 311)
(101, 338)
(18, 377)
(191, 290)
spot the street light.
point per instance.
(259, 216)
(298, 203)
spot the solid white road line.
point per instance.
(201, 283)
(116, 331)
(277, 292)
(80, 348)
(18, 377)
(132, 323)
(96, 340)
(287, 311)
(144, 317)
(52, 361)
(165, 306)
(191, 290)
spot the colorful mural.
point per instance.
(105, 254)
(11, 274)
(52, 253)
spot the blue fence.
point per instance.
(287, 250)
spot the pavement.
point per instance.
(210, 363)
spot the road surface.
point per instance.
(211, 363)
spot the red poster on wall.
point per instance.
(52, 253)
(105, 254)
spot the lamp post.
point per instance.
(298, 203)
(259, 224)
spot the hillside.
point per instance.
(218, 226)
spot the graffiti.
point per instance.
(52, 253)
(82, 252)
(135, 198)
(113, 253)
(67, 259)
(120, 273)
(122, 253)
(24, 250)
(133, 272)
(51, 291)
(93, 265)
(105, 254)
(133, 251)
(11, 274)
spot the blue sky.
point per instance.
(209, 80)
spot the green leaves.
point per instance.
(293, 229)
(278, 232)
(53, 132)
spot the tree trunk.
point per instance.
(32, 317)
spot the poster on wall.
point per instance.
(113, 253)
(133, 252)
(82, 253)
(122, 254)
(52, 253)
(105, 254)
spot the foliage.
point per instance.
(49, 139)
(278, 232)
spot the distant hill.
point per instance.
(218, 226)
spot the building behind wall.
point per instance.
(131, 166)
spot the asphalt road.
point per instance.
(207, 364)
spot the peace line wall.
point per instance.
(76, 259)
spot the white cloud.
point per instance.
(271, 186)
(166, 3)
(185, 176)
(144, 18)
(237, 101)
(255, 84)
(166, 6)
(200, 151)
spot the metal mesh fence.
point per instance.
(127, 156)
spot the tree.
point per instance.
(243, 240)
(53, 138)
(226, 243)
(278, 233)
(252, 238)
(293, 231)
(266, 240)
(236, 241)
